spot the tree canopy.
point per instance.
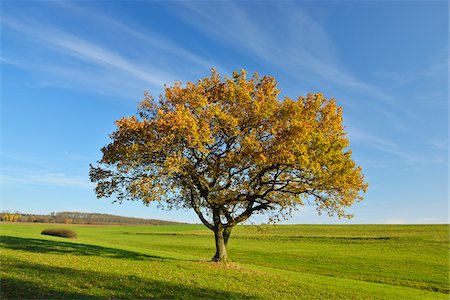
(229, 148)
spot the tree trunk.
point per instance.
(221, 235)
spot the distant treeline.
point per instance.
(78, 218)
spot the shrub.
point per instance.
(67, 233)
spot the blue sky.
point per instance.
(70, 69)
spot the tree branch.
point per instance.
(199, 213)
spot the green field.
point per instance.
(269, 262)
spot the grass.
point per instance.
(282, 262)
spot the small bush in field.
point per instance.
(67, 233)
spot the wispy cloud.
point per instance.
(148, 37)
(436, 70)
(95, 80)
(296, 44)
(408, 157)
(86, 51)
(148, 62)
(440, 144)
(382, 144)
(43, 177)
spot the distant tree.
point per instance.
(10, 217)
(229, 148)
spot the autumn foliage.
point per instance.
(229, 148)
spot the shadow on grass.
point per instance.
(39, 281)
(57, 247)
(12, 288)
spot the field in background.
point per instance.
(287, 262)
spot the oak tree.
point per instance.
(229, 148)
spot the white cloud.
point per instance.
(87, 51)
(149, 62)
(435, 70)
(149, 38)
(383, 144)
(294, 43)
(98, 80)
(26, 177)
(440, 144)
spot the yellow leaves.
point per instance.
(251, 146)
(174, 164)
(263, 158)
(129, 122)
(10, 217)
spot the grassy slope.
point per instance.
(300, 261)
